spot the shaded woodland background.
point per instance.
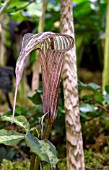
(90, 22)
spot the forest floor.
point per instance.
(95, 138)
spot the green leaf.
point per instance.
(106, 97)
(44, 149)
(87, 108)
(99, 97)
(88, 97)
(107, 88)
(10, 137)
(18, 120)
(35, 97)
(16, 5)
(21, 110)
(93, 86)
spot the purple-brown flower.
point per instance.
(52, 47)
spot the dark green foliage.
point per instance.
(36, 97)
(7, 153)
(92, 106)
(44, 149)
(36, 146)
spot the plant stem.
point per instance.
(35, 162)
(32, 162)
(48, 127)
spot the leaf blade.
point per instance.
(19, 120)
(10, 137)
(43, 149)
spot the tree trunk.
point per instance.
(36, 72)
(75, 155)
(2, 42)
(36, 69)
(42, 18)
(106, 51)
